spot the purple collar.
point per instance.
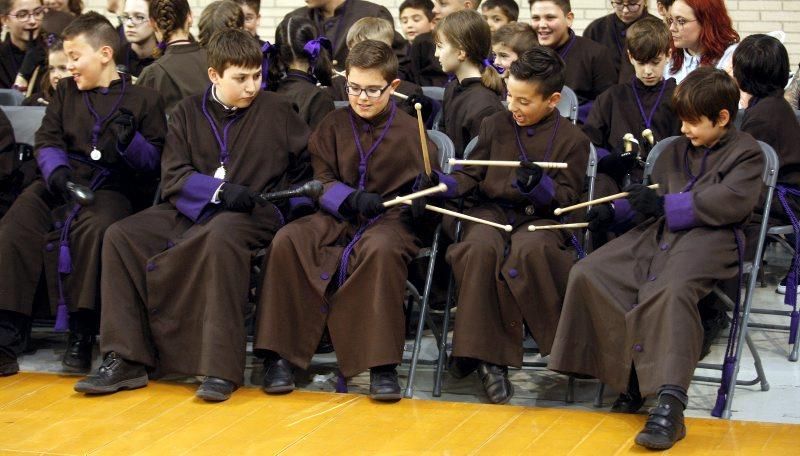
(648, 118)
(523, 153)
(222, 140)
(564, 50)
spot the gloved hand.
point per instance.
(528, 176)
(124, 128)
(424, 181)
(58, 182)
(418, 208)
(427, 105)
(365, 203)
(600, 218)
(35, 55)
(237, 198)
(617, 165)
(645, 200)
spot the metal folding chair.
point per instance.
(437, 95)
(25, 120)
(341, 104)
(11, 97)
(568, 106)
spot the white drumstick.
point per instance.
(506, 163)
(469, 218)
(412, 196)
(564, 226)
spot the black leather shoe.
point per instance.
(495, 382)
(78, 357)
(461, 367)
(215, 389)
(8, 364)
(113, 375)
(627, 403)
(278, 377)
(383, 385)
(664, 425)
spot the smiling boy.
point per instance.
(416, 17)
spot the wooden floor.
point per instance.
(40, 414)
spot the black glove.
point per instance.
(237, 198)
(645, 200)
(35, 56)
(600, 218)
(58, 182)
(617, 165)
(418, 208)
(528, 176)
(427, 105)
(124, 128)
(424, 181)
(365, 203)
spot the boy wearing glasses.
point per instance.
(138, 51)
(611, 30)
(252, 17)
(345, 267)
(23, 57)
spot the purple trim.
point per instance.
(140, 154)
(584, 110)
(568, 46)
(679, 211)
(648, 118)
(99, 121)
(601, 153)
(222, 140)
(333, 198)
(623, 211)
(543, 193)
(196, 194)
(300, 202)
(50, 158)
(452, 186)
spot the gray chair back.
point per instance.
(446, 149)
(25, 120)
(568, 106)
(11, 97)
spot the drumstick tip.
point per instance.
(418, 106)
(508, 228)
(557, 211)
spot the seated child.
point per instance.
(498, 13)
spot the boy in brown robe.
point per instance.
(177, 274)
(99, 131)
(506, 280)
(590, 66)
(630, 315)
(345, 267)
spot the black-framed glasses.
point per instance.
(679, 22)
(632, 7)
(135, 20)
(23, 15)
(372, 92)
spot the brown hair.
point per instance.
(705, 92)
(372, 54)
(370, 28)
(169, 16)
(519, 36)
(218, 16)
(97, 30)
(466, 30)
(565, 5)
(7, 5)
(233, 47)
(648, 38)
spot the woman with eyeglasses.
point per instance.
(22, 53)
(702, 35)
(610, 31)
(140, 48)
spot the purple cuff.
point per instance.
(543, 193)
(679, 210)
(300, 202)
(196, 194)
(446, 179)
(50, 158)
(584, 110)
(333, 198)
(140, 154)
(623, 211)
(601, 153)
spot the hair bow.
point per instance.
(267, 50)
(314, 47)
(490, 62)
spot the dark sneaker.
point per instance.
(664, 425)
(78, 357)
(383, 385)
(8, 364)
(495, 382)
(627, 403)
(278, 376)
(113, 375)
(215, 389)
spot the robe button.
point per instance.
(513, 324)
(513, 273)
(324, 276)
(530, 210)
(664, 246)
(530, 131)
(59, 224)
(49, 247)
(151, 267)
(652, 278)
(638, 348)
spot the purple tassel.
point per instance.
(341, 384)
(719, 406)
(64, 259)
(722, 392)
(62, 317)
(793, 326)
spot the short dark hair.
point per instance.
(705, 92)
(255, 5)
(565, 5)
(543, 66)
(761, 65)
(519, 36)
(509, 8)
(96, 28)
(648, 38)
(425, 6)
(219, 15)
(233, 47)
(666, 3)
(371, 54)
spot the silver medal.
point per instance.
(220, 172)
(95, 154)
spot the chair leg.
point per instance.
(760, 375)
(598, 397)
(570, 390)
(793, 355)
(439, 371)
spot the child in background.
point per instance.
(416, 18)
(511, 41)
(56, 70)
(498, 13)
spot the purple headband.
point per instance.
(267, 50)
(162, 46)
(490, 62)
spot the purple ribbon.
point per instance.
(648, 119)
(523, 153)
(267, 50)
(222, 140)
(791, 279)
(489, 62)
(98, 121)
(315, 46)
(692, 178)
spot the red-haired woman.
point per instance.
(702, 35)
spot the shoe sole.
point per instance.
(212, 396)
(507, 399)
(74, 369)
(278, 389)
(386, 397)
(9, 369)
(643, 440)
(130, 384)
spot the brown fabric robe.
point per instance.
(313, 103)
(178, 274)
(365, 314)
(505, 279)
(421, 65)
(131, 60)
(181, 72)
(7, 164)
(339, 93)
(31, 231)
(589, 70)
(610, 31)
(465, 105)
(634, 300)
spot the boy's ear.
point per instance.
(554, 99)
(570, 18)
(106, 54)
(724, 118)
(630, 57)
(468, 4)
(213, 75)
(394, 84)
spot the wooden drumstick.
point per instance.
(604, 199)
(423, 140)
(648, 135)
(466, 217)
(508, 163)
(402, 97)
(412, 196)
(564, 226)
